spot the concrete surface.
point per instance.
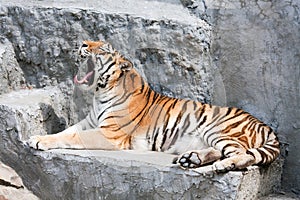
(236, 53)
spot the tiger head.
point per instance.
(101, 65)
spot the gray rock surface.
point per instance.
(9, 176)
(236, 53)
(11, 75)
(11, 193)
(46, 39)
(94, 174)
(11, 185)
(256, 48)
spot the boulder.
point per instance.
(169, 45)
(94, 174)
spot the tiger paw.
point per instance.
(223, 166)
(189, 160)
(39, 142)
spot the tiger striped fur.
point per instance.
(128, 114)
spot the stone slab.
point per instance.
(96, 174)
(9, 176)
(162, 38)
(11, 193)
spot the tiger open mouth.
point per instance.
(89, 74)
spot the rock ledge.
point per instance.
(94, 174)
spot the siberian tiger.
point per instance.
(128, 114)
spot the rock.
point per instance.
(46, 39)
(93, 174)
(222, 52)
(11, 193)
(9, 176)
(11, 75)
(11, 185)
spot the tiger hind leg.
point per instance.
(239, 161)
(197, 158)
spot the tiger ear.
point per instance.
(125, 65)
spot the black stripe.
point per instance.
(175, 102)
(178, 119)
(100, 115)
(108, 100)
(164, 138)
(108, 68)
(250, 153)
(101, 63)
(230, 118)
(234, 125)
(154, 140)
(270, 149)
(263, 137)
(112, 116)
(229, 109)
(167, 115)
(146, 111)
(229, 145)
(211, 122)
(225, 115)
(155, 124)
(263, 156)
(200, 111)
(175, 136)
(186, 124)
(179, 116)
(216, 140)
(133, 120)
(203, 121)
(143, 85)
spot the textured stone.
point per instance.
(11, 193)
(11, 75)
(9, 176)
(256, 48)
(94, 174)
(45, 40)
(11, 185)
(237, 53)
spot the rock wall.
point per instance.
(256, 47)
(234, 53)
(45, 41)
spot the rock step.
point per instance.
(95, 174)
(167, 41)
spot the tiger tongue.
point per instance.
(84, 79)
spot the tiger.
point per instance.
(127, 114)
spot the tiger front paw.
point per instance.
(40, 142)
(188, 160)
